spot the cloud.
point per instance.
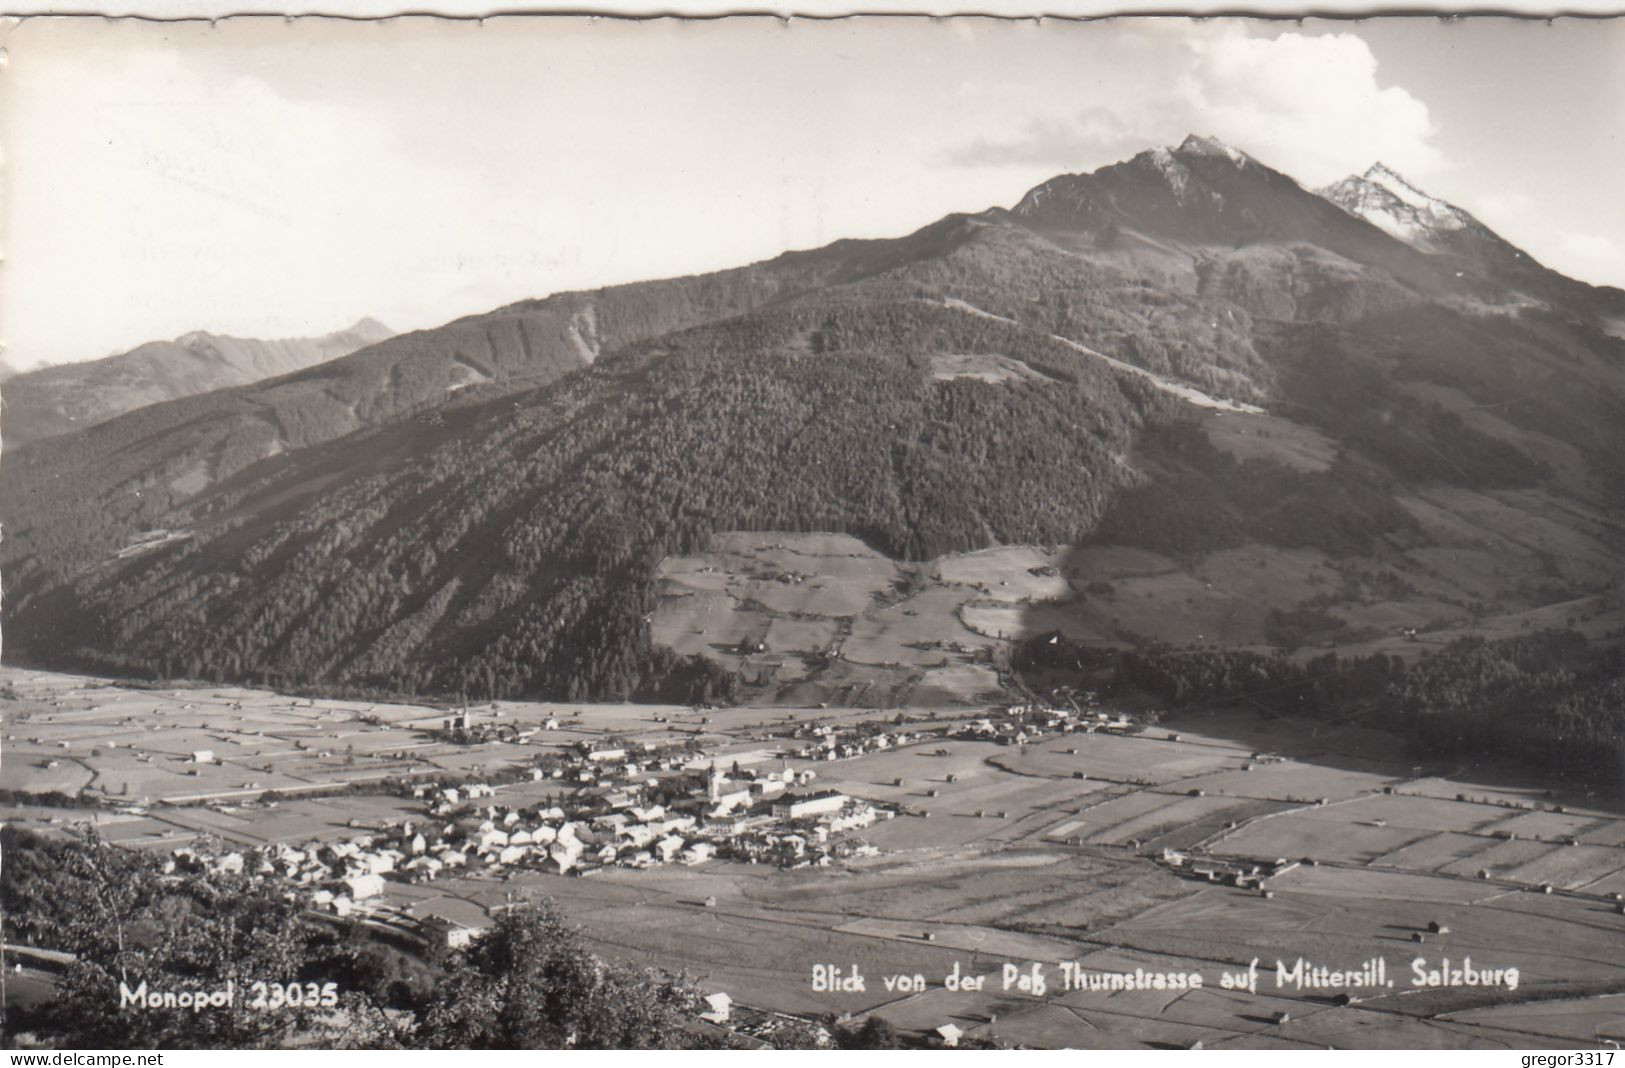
(1096, 133)
(1588, 246)
(176, 198)
(1492, 208)
(1518, 217)
(1309, 105)
(1588, 256)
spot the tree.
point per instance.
(876, 1032)
(800, 1035)
(129, 927)
(530, 983)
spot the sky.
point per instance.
(277, 178)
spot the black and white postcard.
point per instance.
(758, 533)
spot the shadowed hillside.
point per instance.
(1261, 420)
(129, 471)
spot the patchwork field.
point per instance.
(823, 618)
(1020, 862)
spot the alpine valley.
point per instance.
(1179, 422)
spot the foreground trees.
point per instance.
(529, 983)
(138, 935)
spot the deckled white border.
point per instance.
(370, 9)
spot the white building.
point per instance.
(794, 806)
(727, 801)
(718, 1005)
(380, 862)
(362, 887)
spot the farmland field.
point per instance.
(816, 618)
(822, 618)
(1019, 862)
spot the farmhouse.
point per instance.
(718, 1007)
(448, 933)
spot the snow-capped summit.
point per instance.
(1441, 215)
(1386, 199)
(1199, 145)
(1171, 169)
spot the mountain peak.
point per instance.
(1387, 199)
(195, 339)
(1381, 174)
(368, 327)
(1202, 145)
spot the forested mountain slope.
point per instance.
(1186, 353)
(85, 495)
(506, 542)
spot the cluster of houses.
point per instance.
(1007, 724)
(338, 876)
(1021, 724)
(826, 742)
(1231, 871)
(804, 830)
(616, 814)
(464, 728)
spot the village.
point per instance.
(616, 804)
(687, 818)
(746, 844)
